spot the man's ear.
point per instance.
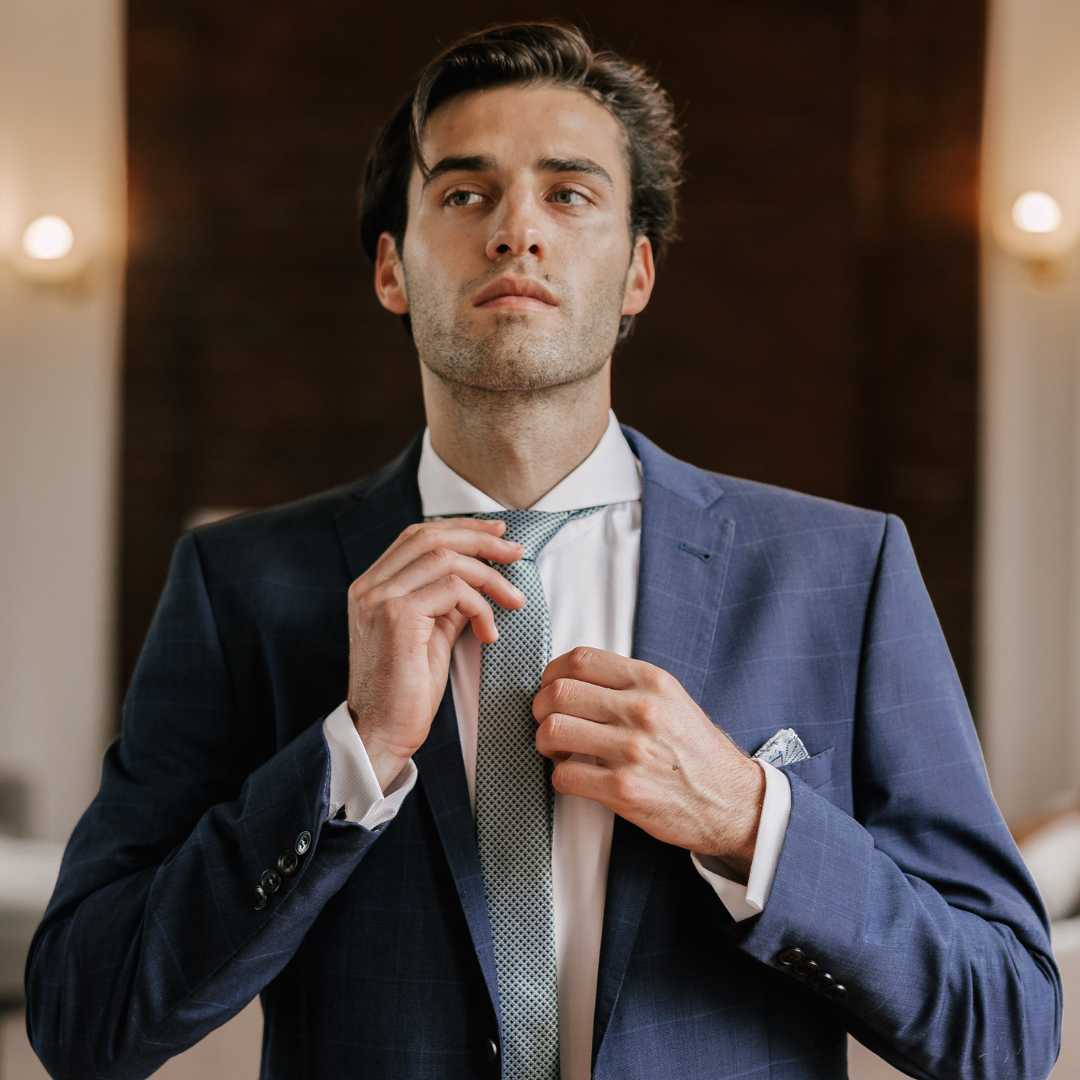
(390, 276)
(639, 277)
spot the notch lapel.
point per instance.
(370, 522)
(685, 550)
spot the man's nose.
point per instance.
(516, 228)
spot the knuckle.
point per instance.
(562, 775)
(551, 728)
(636, 748)
(439, 554)
(657, 678)
(560, 690)
(644, 711)
(361, 601)
(623, 785)
(392, 608)
(579, 658)
(413, 529)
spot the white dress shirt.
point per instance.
(589, 572)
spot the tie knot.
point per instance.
(534, 528)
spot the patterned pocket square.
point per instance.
(783, 748)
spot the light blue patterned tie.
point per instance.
(515, 807)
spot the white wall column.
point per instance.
(1028, 622)
(61, 151)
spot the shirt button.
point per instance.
(303, 842)
(270, 880)
(287, 863)
(789, 956)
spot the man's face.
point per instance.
(546, 198)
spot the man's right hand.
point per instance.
(405, 613)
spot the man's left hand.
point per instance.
(661, 762)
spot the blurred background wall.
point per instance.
(62, 131)
(816, 327)
(1028, 596)
(844, 315)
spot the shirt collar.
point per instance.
(610, 474)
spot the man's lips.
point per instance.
(523, 303)
(514, 285)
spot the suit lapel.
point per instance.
(368, 525)
(685, 548)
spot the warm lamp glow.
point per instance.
(1036, 212)
(48, 237)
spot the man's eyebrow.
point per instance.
(486, 163)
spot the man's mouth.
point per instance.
(515, 287)
(517, 303)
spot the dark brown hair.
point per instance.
(549, 52)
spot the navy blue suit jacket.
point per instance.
(898, 879)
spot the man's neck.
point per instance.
(515, 446)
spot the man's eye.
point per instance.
(459, 191)
(451, 197)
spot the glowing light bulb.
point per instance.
(48, 237)
(1036, 212)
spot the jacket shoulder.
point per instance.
(766, 511)
(283, 537)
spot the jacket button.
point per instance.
(789, 956)
(303, 842)
(806, 967)
(492, 1049)
(261, 899)
(287, 862)
(270, 880)
(838, 991)
(824, 982)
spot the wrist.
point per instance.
(386, 764)
(742, 841)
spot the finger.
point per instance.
(441, 561)
(585, 780)
(477, 543)
(586, 700)
(562, 734)
(599, 666)
(439, 597)
(407, 537)
(451, 623)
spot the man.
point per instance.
(640, 771)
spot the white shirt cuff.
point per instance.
(353, 783)
(745, 901)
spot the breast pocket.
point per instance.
(815, 770)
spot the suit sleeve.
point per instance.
(915, 918)
(156, 933)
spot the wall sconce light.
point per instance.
(1037, 232)
(47, 253)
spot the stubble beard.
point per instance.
(507, 351)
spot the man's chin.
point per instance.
(508, 374)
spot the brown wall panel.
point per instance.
(815, 327)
